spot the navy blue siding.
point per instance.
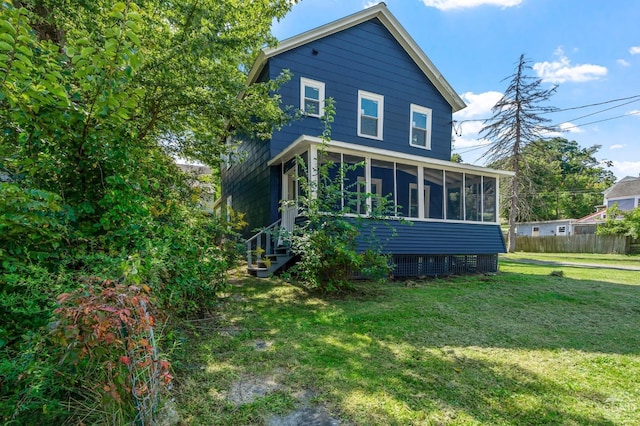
(364, 57)
(251, 184)
(442, 238)
(255, 187)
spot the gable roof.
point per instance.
(596, 217)
(627, 187)
(401, 35)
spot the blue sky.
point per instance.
(589, 48)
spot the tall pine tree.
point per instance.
(516, 122)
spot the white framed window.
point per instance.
(312, 97)
(561, 230)
(420, 135)
(370, 115)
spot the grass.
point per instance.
(520, 347)
(599, 259)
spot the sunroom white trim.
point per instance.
(303, 142)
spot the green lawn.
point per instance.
(520, 347)
(600, 259)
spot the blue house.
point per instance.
(393, 112)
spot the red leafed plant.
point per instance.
(107, 332)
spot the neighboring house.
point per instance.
(625, 193)
(589, 224)
(548, 228)
(393, 111)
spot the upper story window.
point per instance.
(312, 97)
(370, 115)
(420, 127)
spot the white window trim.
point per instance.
(380, 100)
(428, 112)
(315, 84)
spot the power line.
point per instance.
(597, 112)
(564, 129)
(636, 97)
(596, 104)
(472, 148)
(605, 119)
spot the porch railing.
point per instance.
(265, 242)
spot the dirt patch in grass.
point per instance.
(247, 389)
(308, 416)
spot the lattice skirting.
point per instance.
(415, 265)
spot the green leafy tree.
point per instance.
(96, 97)
(102, 91)
(621, 222)
(516, 122)
(568, 179)
(559, 180)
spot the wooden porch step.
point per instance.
(260, 272)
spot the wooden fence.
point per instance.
(575, 244)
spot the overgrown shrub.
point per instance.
(327, 241)
(105, 334)
(328, 255)
(621, 222)
(183, 266)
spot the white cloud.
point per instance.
(467, 141)
(634, 50)
(368, 4)
(463, 4)
(478, 105)
(617, 146)
(634, 112)
(478, 108)
(570, 127)
(626, 168)
(561, 70)
(623, 63)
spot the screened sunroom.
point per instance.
(442, 216)
(412, 187)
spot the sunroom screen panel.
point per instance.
(473, 197)
(329, 180)
(382, 186)
(354, 184)
(407, 190)
(489, 199)
(454, 195)
(433, 194)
